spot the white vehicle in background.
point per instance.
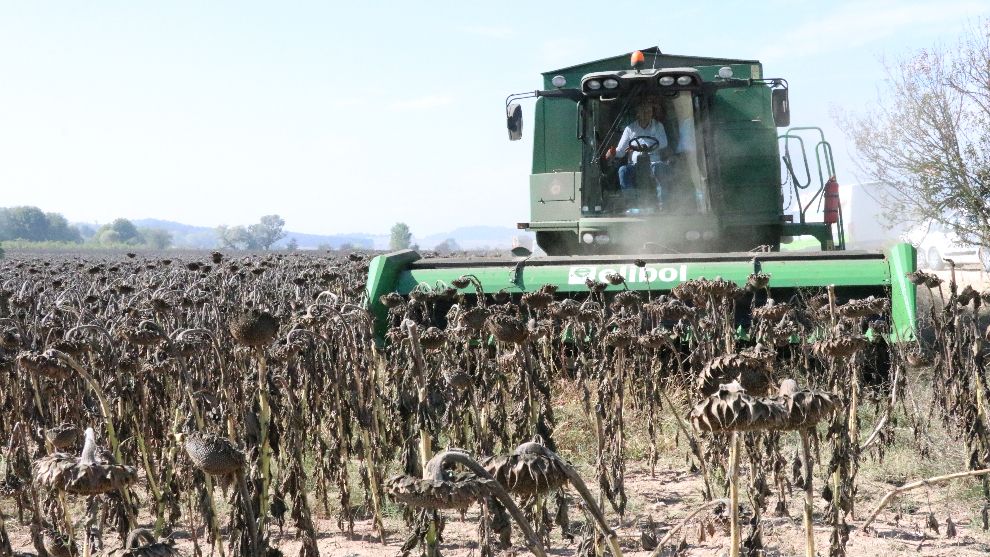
(867, 223)
(936, 242)
(868, 226)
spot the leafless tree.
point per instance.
(928, 137)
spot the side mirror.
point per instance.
(513, 121)
(781, 107)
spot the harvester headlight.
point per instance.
(602, 239)
(667, 80)
(725, 72)
(708, 235)
(558, 81)
(588, 237)
(594, 85)
(692, 235)
(611, 83)
(684, 80)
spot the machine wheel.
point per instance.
(557, 243)
(935, 261)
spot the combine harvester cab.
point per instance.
(704, 198)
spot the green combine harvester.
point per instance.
(710, 202)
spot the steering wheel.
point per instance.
(644, 144)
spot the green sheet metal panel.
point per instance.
(749, 171)
(823, 273)
(555, 196)
(570, 278)
(744, 104)
(746, 147)
(556, 147)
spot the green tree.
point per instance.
(59, 229)
(292, 244)
(235, 237)
(23, 223)
(268, 231)
(927, 138)
(401, 237)
(108, 236)
(120, 231)
(447, 246)
(86, 231)
(156, 238)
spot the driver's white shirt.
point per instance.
(654, 130)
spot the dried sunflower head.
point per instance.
(9, 339)
(456, 377)
(502, 296)
(531, 469)
(772, 311)
(439, 488)
(566, 308)
(626, 299)
(750, 370)
(63, 436)
(433, 339)
(141, 543)
(43, 363)
(594, 286)
(618, 338)
(473, 319)
(144, 333)
(656, 338)
(840, 347)
(615, 279)
(732, 409)
(537, 300)
(254, 327)
(391, 300)
(83, 475)
(507, 328)
(757, 281)
(967, 295)
(670, 309)
(805, 407)
(212, 454)
(866, 307)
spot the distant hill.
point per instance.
(468, 237)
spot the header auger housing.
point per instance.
(705, 199)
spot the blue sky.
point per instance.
(348, 117)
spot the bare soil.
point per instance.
(666, 497)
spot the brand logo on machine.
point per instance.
(577, 274)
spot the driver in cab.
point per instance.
(643, 135)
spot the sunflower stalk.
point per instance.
(108, 423)
(265, 450)
(734, 533)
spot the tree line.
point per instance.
(31, 224)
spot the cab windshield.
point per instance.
(644, 154)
